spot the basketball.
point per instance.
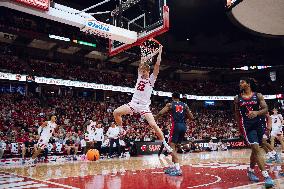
(93, 155)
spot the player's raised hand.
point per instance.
(229, 3)
(160, 53)
(252, 114)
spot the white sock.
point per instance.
(265, 174)
(250, 169)
(165, 143)
(177, 166)
(273, 153)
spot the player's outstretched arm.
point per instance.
(269, 121)
(163, 111)
(237, 110)
(157, 65)
(264, 108)
(189, 113)
(140, 67)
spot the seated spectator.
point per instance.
(70, 146)
(22, 141)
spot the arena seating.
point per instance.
(20, 117)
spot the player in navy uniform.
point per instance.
(250, 107)
(179, 114)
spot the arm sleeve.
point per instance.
(152, 79)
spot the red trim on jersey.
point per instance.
(242, 129)
(248, 98)
(143, 113)
(172, 128)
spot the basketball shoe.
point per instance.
(268, 182)
(168, 170)
(252, 177)
(278, 158)
(175, 172)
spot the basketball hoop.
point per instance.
(149, 49)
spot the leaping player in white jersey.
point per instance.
(277, 132)
(141, 99)
(45, 131)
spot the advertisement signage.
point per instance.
(95, 27)
(148, 148)
(69, 83)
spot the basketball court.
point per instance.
(127, 28)
(223, 169)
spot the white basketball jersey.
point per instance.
(99, 134)
(276, 120)
(143, 89)
(91, 127)
(48, 130)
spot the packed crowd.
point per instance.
(102, 74)
(213, 123)
(21, 116)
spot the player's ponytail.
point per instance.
(253, 84)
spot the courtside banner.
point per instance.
(148, 148)
(86, 85)
(214, 98)
(233, 143)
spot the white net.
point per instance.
(149, 49)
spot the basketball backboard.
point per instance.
(149, 18)
(131, 21)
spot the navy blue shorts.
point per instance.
(254, 133)
(177, 133)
